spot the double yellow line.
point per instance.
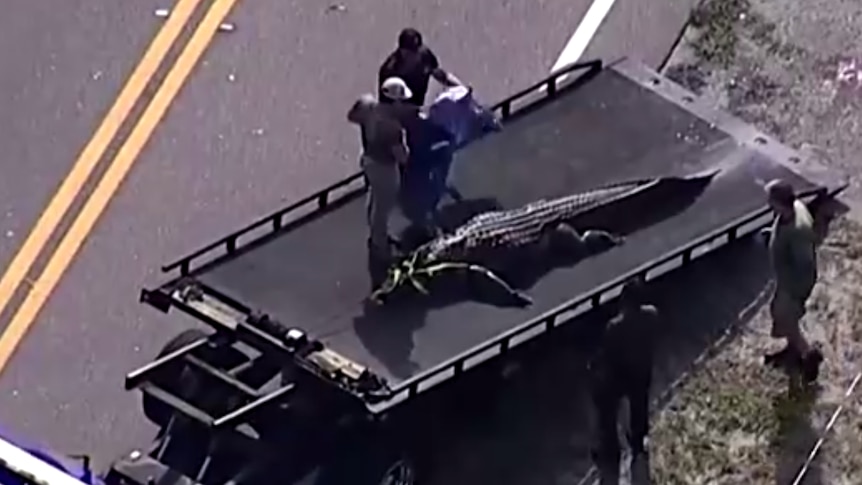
(24, 316)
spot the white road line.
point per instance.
(585, 32)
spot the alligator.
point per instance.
(495, 240)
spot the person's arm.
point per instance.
(446, 78)
(654, 326)
(802, 248)
(438, 73)
(399, 148)
(359, 111)
(354, 115)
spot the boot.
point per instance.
(779, 359)
(607, 463)
(609, 476)
(639, 466)
(811, 366)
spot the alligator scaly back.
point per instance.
(493, 235)
(524, 225)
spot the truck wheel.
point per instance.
(180, 381)
(156, 411)
(399, 472)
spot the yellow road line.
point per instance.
(110, 182)
(89, 158)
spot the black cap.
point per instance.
(409, 39)
(780, 191)
(633, 289)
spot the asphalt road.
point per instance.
(261, 122)
(61, 66)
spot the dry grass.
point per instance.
(773, 64)
(734, 421)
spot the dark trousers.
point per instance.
(610, 387)
(424, 183)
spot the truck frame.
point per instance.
(274, 361)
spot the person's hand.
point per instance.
(403, 158)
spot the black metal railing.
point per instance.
(543, 90)
(267, 343)
(276, 221)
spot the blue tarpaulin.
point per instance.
(453, 121)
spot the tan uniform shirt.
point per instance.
(792, 250)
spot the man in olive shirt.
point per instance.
(621, 370)
(794, 262)
(383, 150)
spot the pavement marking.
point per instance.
(112, 179)
(585, 32)
(93, 152)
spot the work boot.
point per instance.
(779, 359)
(607, 463)
(811, 366)
(639, 469)
(609, 476)
(639, 465)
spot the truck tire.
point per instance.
(399, 471)
(156, 411)
(181, 381)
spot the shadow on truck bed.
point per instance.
(540, 432)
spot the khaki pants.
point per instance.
(383, 186)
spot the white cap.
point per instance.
(395, 88)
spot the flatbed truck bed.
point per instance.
(606, 126)
(292, 286)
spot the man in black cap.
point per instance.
(621, 370)
(415, 63)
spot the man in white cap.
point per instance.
(383, 150)
(396, 92)
(794, 262)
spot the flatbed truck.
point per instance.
(297, 382)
